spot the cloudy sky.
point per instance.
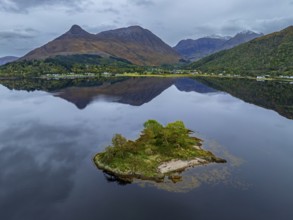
(27, 24)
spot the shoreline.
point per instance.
(167, 75)
(177, 165)
(165, 169)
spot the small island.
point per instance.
(158, 153)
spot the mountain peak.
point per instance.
(123, 32)
(135, 27)
(77, 30)
(132, 34)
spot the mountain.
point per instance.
(270, 54)
(7, 59)
(239, 38)
(135, 44)
(138, 44)
(196, 49)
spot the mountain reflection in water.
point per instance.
(133, 91)
(138, 91)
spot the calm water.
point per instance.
(48, 139)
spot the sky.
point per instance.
(27, 24)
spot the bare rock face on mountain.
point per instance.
(135, 44)
(196, 49)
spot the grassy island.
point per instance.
(158, 152)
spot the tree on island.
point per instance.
(175, 134)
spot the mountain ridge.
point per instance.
(196, 49)
(135, 44)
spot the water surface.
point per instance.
(49, 136)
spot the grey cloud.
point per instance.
(18, 33)
(141, 2)
(271, 25)
(6, 35)
(109, 10)
(21, 6)
(31, 30)
(204, 29)
(232, 27)
(201, 31)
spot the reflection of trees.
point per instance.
(277, 96)
(56, 84)
(110, 178)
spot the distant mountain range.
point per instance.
(7, 59)
(134, 44)
(269, 54)
(196, 49)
